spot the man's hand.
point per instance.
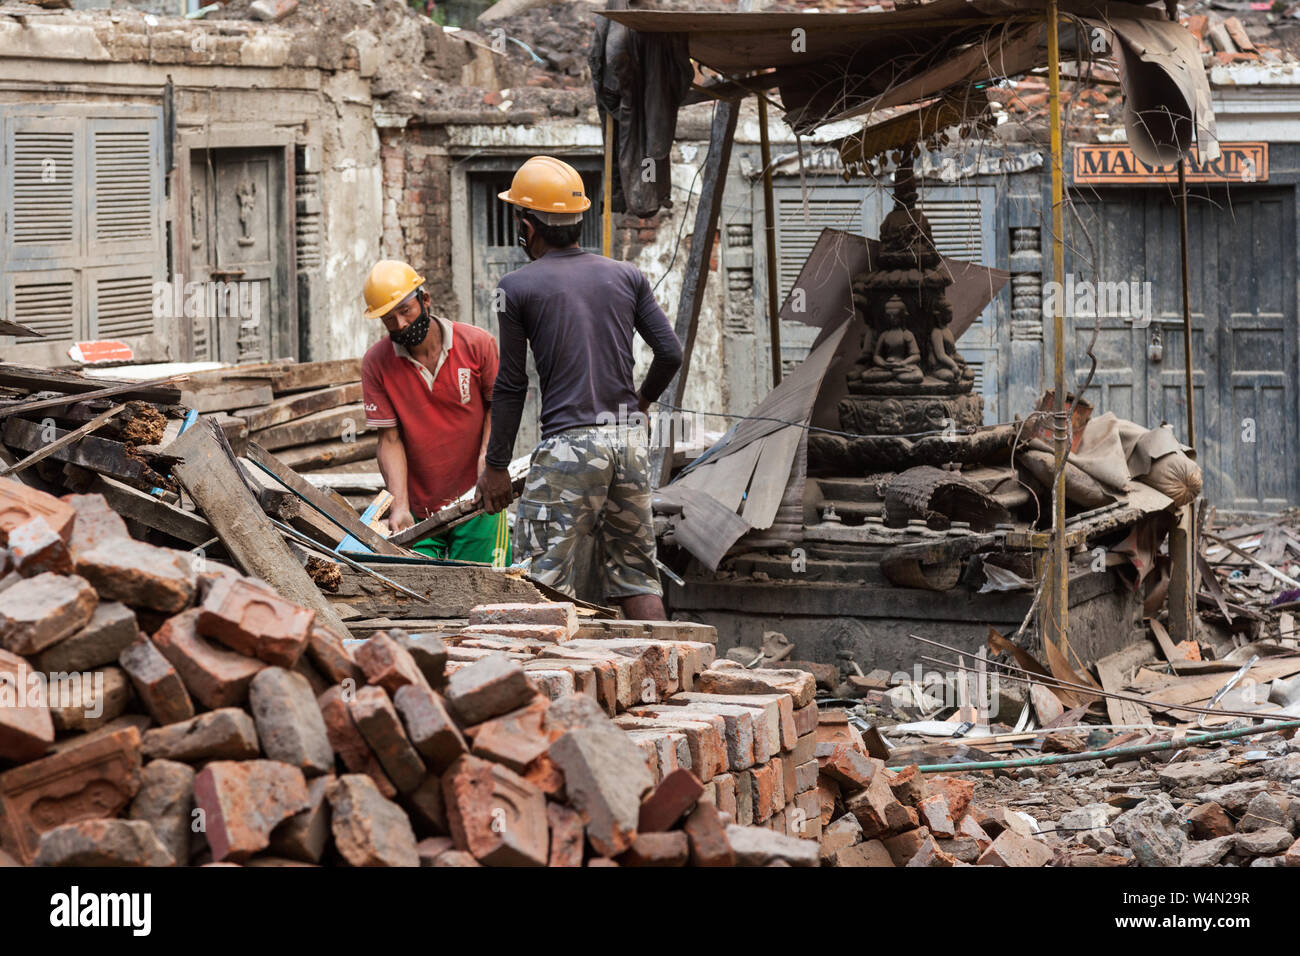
(399, 519)
(494, 489)
(642, 403)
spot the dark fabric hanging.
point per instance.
(641, 79)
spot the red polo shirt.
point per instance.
(441, 415)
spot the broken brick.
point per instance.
(867, 853)
(377, 720)
(805, 720)
(957, 793)
(903, 846)
(96, 523)
(936, 815)
(139, 574)
(1209, 821)
(35, 548)
(19, 504)
(94, 777)
(289, 723)
(930, 854)
(429, 727)
(657, 849)
(487, 688)
(255, 621)
(429, 653)
(852, 769)
(218, 677)
(26, 727)
(305, 835)
(842, 833)
(671, 800)
(707, 834)
(111, 628)
(728, 677)
(113, 843)
(85, 701)
(495, 814)
(873, 807)
(368, 829)
(755, 846)
(1014, 849)
(165, 801)
(331, 657)
(604, 778)
(427, 807)
(243, 801)
(348, 743)
(515, 739)
(567, 835)
(157, 683)
(43, 610)
(388, 664)
(908, 785)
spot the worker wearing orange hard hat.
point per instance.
(427, 388)
(589, 475)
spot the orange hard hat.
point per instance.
(549, 186)
(388, 284)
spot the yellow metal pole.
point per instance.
(769, 229)
(1058, 605)
(607, 206)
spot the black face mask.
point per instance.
(413, 334)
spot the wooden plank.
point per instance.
(1188, 690)
(154, 513)
(67, 439)
(227, 395)
(214, 483)
(1182, 577)
(359, 482)
(451, 590)
(329, 425)
(97, 454)
(1112, 681)
(309, 375)
(329, 453)
(324, 503)
(307, 403)
(1167, 646)
(40, 380)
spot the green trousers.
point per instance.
(483, 538)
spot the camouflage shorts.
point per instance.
(587, 481)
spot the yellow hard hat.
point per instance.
(549, 186)
(388, 284)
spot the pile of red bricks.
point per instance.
(876, 816)
(158, 711)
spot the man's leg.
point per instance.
(484, 538)
(563, 494)
(632, 577)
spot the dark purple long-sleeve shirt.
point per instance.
(578, 311)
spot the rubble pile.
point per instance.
(163, 711)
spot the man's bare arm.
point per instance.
(392, 465)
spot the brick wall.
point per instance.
(417, 207)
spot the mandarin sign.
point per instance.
(1106, 164)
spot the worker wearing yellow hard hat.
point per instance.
(589, 475)
(427, 389)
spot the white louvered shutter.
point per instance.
(44, 191)
(125, 186)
